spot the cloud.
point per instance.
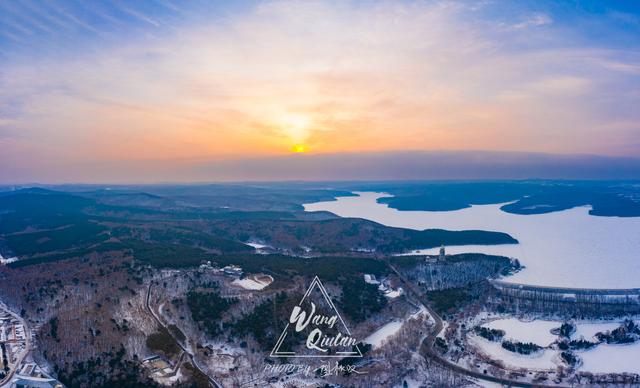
(534, 20)
(340, 77)
(625, 67)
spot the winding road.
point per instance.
(192, 358)
(427, 350)
(426, 347)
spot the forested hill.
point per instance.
(39, 225)
(607, 198)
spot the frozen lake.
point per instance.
(601, 359)
(564, 249)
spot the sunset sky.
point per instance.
(137, 88)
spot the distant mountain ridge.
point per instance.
(361, 166)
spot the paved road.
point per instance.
(212, 381)
(427, 350)
(27, 348)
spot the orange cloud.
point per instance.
(334, 78)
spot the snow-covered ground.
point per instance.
(611, 359)
(7, 260)
(257, 245)
(391, 294)
(485, 384)
(589, 329)
(421, 311)
(377, 338)
(224, 356)
(544, 359)
(537, 331)
(445, 325)
(601, 359)
(564, 249)
(260, 247)
(411, 383)
(253, 282)
(168, 380)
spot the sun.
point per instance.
(296, 128)
(299, 148)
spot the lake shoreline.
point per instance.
(567, 248)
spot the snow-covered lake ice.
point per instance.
(542, 360)
(564, 249)
(537, 332)
(601, 359)
(611, 359)
(588, 330)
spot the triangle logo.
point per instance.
(316, 329)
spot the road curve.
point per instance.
(427, 351)
(212, 381)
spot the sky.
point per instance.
(164, 90)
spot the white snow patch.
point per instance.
(391, 294)
(589, 329)
(445, 324)
(379, 336)
(537, 332)
(611, 359)
(257, 245)
(253, 282)
(7, 260)
(542, 360)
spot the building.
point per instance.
(441, 256)
(370, 279)
(232, 270)
(206, 265)
(35, 382)
(158, 366)
(31, 376)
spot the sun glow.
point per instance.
(296, 127)
(299, 148)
